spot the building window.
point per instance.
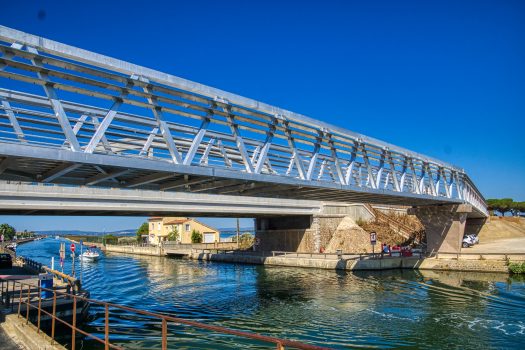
(159, 226)
(152, 226)
(187, 227)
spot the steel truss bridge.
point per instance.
(120, 125)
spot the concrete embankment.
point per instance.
(366, 264)
(134, 250)
(443, 263)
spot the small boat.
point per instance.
(92, 246)
(56, 237)
(89, 255)
(12, 246)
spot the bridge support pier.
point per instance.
(444, 225)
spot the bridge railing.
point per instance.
(274, 142)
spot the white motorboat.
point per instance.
(91, 255)
(56, 237)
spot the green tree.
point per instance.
(246, 236)
(143, 230)
(8, 231)
(173, 235)
(196, 237)
(505, 205)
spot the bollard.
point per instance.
(339, 254)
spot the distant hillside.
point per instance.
(234, 229)
(85, 233)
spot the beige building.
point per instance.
(160, 227)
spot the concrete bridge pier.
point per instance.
(444, 224)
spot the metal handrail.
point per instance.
(321, 255)
(280, 343)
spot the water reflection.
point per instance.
(375, 309)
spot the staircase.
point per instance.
(401, 229)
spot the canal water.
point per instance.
(397, 309)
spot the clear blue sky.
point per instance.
(444, 78)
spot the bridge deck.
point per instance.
(160, 132)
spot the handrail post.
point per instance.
(280, 346)
(28, 301)
(19, 299)
(74, 323)
(53, 319)
(164, 334)
(39, 307)
(107, 327)
(13, 298)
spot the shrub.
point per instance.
(517, 267)
(173, 235)
(196, 237)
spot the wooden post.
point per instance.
(280, 346)
(107, 327)
(13, 298)
(74, 323)
(28, 301)
(39, 307)
(19, 300)
(53, 319)
(164, 334)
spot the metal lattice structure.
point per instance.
(116, 124)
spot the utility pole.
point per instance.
(237, 233)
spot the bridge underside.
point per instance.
(52, 166)
(25, 199)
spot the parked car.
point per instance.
(474, 238)
(467, 242)
(6, 262)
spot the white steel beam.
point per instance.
(371, 178)
(263, 158)
(196, 142)
(147, 145)
(103, 177)
(12, 119)
(204, 158)
(164, 128)
(58, 171)
(238, 140)
(335, 159)
(57, 106)
(397, 188)
(148, 179)
(296, 156)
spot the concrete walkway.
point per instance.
(503, 245)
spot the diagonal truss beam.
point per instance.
(196, 142)
(12, 119)
(106, 176)
(148, 179)
(238, 140)
(57, 105)
(58, 171)
(164, 128)
(186, 181)
(6, 163)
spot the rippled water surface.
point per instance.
(385, 310)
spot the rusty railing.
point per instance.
(280, 343)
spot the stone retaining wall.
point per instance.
(356, 265)
(134, 250)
